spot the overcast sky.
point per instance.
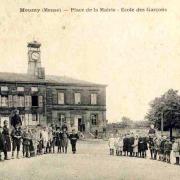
(135, 54)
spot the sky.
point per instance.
(135, 54)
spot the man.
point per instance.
(152, 131)
(16, 119)
(73, 139)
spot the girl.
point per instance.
(176, 150)
(111, 144)
(135, 146)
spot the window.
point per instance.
(4, 101)
(20, 89)
(60, 98)
(34, 100)
(94, 119)
(77, 97)
(4, 88)
(93, 99)
(34, 89)
(28, 101)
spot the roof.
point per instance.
(50, 79)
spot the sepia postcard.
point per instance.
(89, 90)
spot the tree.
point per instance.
(167, 107)
(126, 122)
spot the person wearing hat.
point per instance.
(7, 140)
(16, 119)
(73, 139)
(65, 137)
(162, 152)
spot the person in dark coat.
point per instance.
(73, 139)
(125, 145)
(58, 137)
(16, 135)
(131, 142)
(141, 147)
(7, 140)
(16, 119)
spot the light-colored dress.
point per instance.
(120, 143)
(135, 146)
(111, 143)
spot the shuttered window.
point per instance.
(40, 101)
(77, 98)
(10, 100)
(93, 99)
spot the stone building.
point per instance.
(46, 99)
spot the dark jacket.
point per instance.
(16, 120)
(7, 141)
(73, 138)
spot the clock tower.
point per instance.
(34, 60)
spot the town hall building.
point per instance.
(47, 99)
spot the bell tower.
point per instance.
(34, 60)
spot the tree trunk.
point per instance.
(170, 133)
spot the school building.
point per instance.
(47, 99)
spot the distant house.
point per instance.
(45, 99)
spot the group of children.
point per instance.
(36, 141)
(137, 146)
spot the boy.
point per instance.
(167, 150)
(120, 145)
(26, 143)
(73, 139)
(16, 135)
(116, 145)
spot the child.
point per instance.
(156, 147)
(26, 143)
(135, 146)
(16, 135)
(111, 144)
(73, 139)
(176, 150)
(44, 135)
(59, 139)
(167, 150)
(161, 147)
(65, 137)
(116, 140)
(125, 145)
(151, 146)
(7, 144)
(120, 144)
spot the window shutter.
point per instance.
(40, 99)
(10, 99)
(0, 101)
(28, 101)
(54, 97)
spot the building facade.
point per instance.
(45, 99)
